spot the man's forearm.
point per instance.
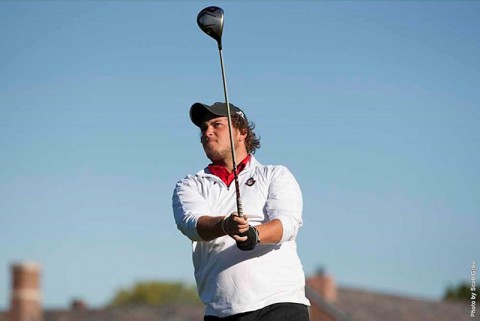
(210, 227)
(270, 232)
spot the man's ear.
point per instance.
(242, 133)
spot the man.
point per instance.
(246, 267)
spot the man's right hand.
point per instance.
(236, 226)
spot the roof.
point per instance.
(362, 305)
(351, 305)
(133, 313)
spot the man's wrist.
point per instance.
(257, 234)
(224, 225)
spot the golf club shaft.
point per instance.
(230, 130)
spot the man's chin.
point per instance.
(211, 155)
(215, 157)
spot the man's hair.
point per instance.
(252, 142)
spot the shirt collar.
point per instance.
(222, 173)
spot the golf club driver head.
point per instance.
(210, 20)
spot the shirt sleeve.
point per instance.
(285, 203)
(188, 205)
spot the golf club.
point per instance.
(210, 20)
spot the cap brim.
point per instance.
(199, 110)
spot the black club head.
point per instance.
(210, 20)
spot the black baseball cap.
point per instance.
(198, 111)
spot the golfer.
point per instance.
(246, 267)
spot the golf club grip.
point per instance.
(239, 199)
(239, 203)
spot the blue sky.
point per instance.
(374, 106)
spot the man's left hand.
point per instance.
(247, 241)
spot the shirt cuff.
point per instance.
(290, 227)
(189, 227)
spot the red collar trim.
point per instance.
(222, 173)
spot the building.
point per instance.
(329, 303)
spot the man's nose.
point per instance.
(208, 131)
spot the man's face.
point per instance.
(215, 138)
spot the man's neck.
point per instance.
(227, 163)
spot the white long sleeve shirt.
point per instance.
(229, 280)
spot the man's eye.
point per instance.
(217, 124)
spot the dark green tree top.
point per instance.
(461, 292)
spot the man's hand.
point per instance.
(252, 239)
(243, 233)
(234, 226)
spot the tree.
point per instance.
(461, 292)
(155, 293)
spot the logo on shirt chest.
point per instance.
(250, 181)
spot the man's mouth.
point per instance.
(208, 143)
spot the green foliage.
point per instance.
(155, 293)
(460, 292)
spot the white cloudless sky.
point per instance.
(373, 105)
